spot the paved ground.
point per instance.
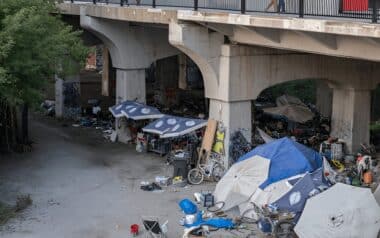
(82, 186)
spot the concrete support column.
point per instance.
(324, 97)
(234, 116)
(130, 85)
(351, 117)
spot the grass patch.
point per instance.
(6, 212)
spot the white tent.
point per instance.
(340, 212)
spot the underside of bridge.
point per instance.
(238, 59)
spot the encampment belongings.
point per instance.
(188, 207)
(208, 200)
(150, 187)
(162, 180)
(263, 166)
(172, 126)
(208, 141)
(239, 146)
(135, 110)
(213, 222)
(153, 228)
(340, 211)
(157, 145)
(211, 170)
(141, 143)
(274, 223)
(134, 230)
(219, 140)
(180, 166)
(363, 164)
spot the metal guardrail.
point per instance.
(367, 10)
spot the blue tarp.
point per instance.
(135, 110)
(288, 158)
(172, 126)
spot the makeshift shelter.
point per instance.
(287, 158)
(135, 110)
(339, 212)
(267, 166)
(173, 126)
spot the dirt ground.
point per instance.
(82, 186)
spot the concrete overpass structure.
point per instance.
(240, 55)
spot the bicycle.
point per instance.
(212, 170)
(277, 224)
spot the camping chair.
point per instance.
(153, 228)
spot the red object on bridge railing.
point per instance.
(355, 5)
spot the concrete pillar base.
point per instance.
(234, 116)
(351, 117)
(130, 85)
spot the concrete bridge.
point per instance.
(240, 55)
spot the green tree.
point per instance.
(35, 44)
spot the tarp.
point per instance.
(339, 212)
(135, 110)
(294, 113)
(287, 159)
(172, 126)
(292, 108)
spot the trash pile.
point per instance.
(49, 107)
(284, 187)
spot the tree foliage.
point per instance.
(34, 45)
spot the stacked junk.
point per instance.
(285, 189)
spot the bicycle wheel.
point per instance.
(195, 176)
(284, 229)
(217, 172)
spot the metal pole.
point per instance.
(374, 11)
(243, 6)
(195, 5)
(121, 2)
(301, 8)
(94, 1)
(72, 1)
(154, 3)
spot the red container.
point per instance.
(134, 229)
(355, 5)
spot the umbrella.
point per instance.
(172, 126)
(292, 112)
(241, 181)
(135, 110)
(287, 159)
(117, 109)
(295, 199)
(339, 212)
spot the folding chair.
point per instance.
(153, 228)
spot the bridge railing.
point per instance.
(367, 10)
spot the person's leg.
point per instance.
(282, 5)
(138, 2)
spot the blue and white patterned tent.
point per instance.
(172, 126)
(135, 110)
